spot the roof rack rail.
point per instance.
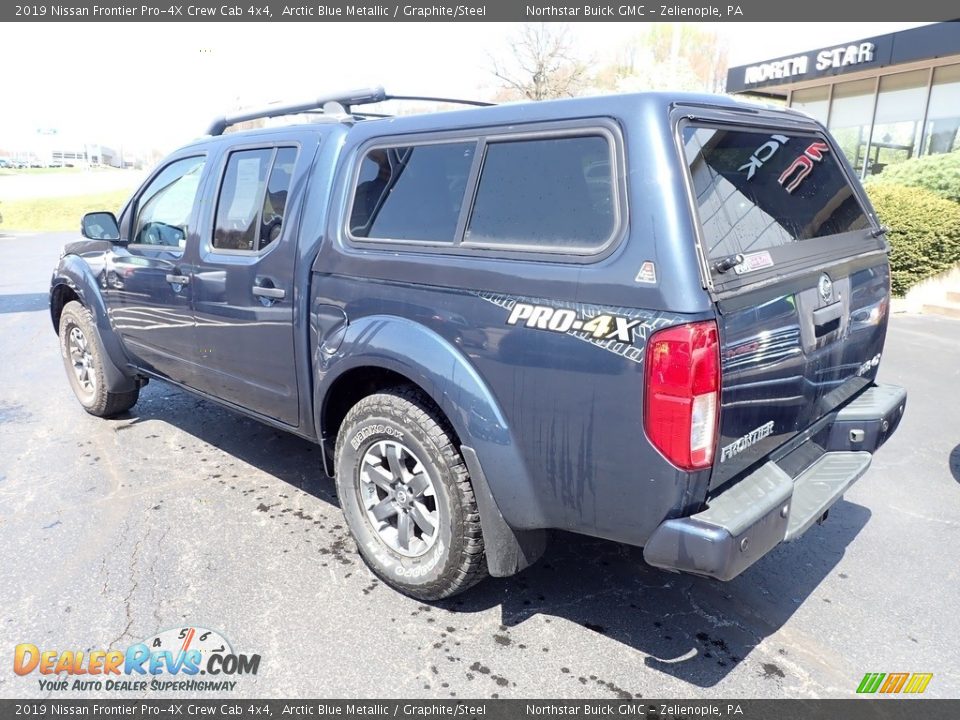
(453, 101)
(336, 104)
(362, 96)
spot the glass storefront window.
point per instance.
(813, 101)
(850, 118)
(896, 129)
(943, 116)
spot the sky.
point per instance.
(160, 84)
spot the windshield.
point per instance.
(757, 190)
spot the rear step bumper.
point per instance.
(767, 507)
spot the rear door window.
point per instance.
(253, 198)
(773, 196)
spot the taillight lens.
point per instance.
(683, 393)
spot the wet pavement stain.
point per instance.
(772, 671)
(338, 551)
(714, 649)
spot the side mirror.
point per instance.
(100, 226)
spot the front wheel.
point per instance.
(406, 496)
(83, 358)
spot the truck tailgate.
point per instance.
(800, 277)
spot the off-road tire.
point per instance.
(456, 561)
(96, 400)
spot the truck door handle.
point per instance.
(827, 314)
(274, 293)
(178, 279)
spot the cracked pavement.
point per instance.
(182, 513)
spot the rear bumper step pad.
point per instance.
(821, 485)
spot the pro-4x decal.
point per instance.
(623, 331)
(544, 317)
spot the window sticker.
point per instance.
(247, 189)
(754, 261)
(647, 273)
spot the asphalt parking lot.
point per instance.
(184, 513)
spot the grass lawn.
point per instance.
(58, 213)
(40, 171)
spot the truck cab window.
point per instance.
(164, 208)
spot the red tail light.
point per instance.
(683, 393)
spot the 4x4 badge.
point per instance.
(825, 286)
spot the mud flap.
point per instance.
(508, 550)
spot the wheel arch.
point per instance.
(60, 294)
(379, 352)
(73, 281)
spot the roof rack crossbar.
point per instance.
(362, 96)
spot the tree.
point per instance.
(541, 64)
(669, 56)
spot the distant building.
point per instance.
(110, 157)
(885, 99)
(85, 156)
(47, 147)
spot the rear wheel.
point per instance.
(406, 496)
(83, 358)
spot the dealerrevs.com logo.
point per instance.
(185, 659)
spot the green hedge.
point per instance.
(938, 173)
(924, 232)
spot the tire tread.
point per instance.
(410, 405)
(105, 404)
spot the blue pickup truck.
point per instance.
(654, 318)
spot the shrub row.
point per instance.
(924, 231)
(937, 173)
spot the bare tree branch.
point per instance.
(542, 63)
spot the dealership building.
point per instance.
(885, 99)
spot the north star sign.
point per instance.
(823, 60)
